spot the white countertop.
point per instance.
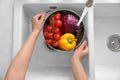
(5, 35)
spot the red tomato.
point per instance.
(56, 37)
(58, 24)
(48, 32)
(55, 43)
(58, 16)
(57, 30)
(49, 28)
(49, 35)
(49, 41)
(45, 30)
(51, 20)
(45, 34)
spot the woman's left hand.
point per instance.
(37, 22)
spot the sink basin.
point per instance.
(106, 23)
(47, 64)
(42, 55)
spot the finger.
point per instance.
(86, 50)
(43, 16)
(80, 47)
(37, 16)
(83, 45)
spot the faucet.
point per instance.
(89, 3)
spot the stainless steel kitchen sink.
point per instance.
(47, 64)
(107, 54)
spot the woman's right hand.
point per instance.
(81, 51)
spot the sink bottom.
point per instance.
(107, 72)
(104, 28)
(49, 73)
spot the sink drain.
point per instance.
(113, 43)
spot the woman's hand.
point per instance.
(81, 51)
(18, 68)
(37, 22)
(77, 68)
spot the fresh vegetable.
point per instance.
(57, 30)
(52, 35)
(48, 41)
(55, 21)
(48, 32)
(49, 28)
(52, 20)
(48, 35)
(58, 16)
(69, 24)
(55, 43)
(56, 36)
(58, 23)
(67, 41)
(45, 34)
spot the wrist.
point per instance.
(36, 33)
(75, 59)
(78, 57)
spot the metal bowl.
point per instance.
(80, 36)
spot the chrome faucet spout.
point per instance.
(89, 3)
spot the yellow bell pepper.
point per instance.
(67, 41)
